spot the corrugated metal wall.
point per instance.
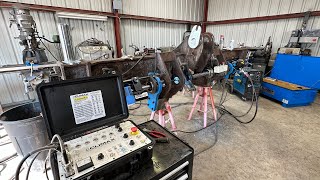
(173, 9)
(138, 32)
(150, 34)
(257, 33)
(157, 34)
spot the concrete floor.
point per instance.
(280, 143)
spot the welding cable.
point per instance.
(254, 97)
(29, 168)
(134, 65)
(45, 148)
(256, 109)
(61, 144)
(46, 160)
(195, 131)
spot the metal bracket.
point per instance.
(154, 97)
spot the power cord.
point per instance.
(30, 165)
(45, 148)
(257, 105)
(195, 131)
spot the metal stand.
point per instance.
(203, 92)
(161, 114)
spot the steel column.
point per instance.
(205, 15)
(117, 33)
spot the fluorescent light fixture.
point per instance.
(81, 16)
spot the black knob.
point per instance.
(125, 135)
(119, 129)
(100, 156)
(131, 143)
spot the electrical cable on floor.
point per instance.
(257, 105)
(30, 165)
(134, 65)
(45, 148)
(45, 163)
(195, 131)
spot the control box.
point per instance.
(100, 147)
(88, 114)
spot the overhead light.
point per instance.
(81, 16)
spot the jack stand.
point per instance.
(161, 114)
(203, 92)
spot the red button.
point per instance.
(134, 129)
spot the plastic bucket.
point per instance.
(26, 130)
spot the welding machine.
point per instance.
(242, 85)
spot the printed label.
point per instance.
(87, 106)
(285, 101)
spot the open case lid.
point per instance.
(72, 107)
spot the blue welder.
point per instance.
(242, 85)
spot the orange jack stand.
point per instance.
(161, 114)
(203, 92)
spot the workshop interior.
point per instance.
(170, 90)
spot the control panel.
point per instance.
(101, 147)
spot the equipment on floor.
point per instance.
(293, 80)
(239, 81)
(242, 85)
(90, 121)
(289, 94)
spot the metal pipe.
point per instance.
(21, 67)
(195, 76)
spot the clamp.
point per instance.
(153, 96)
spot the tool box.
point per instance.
(173, 160)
